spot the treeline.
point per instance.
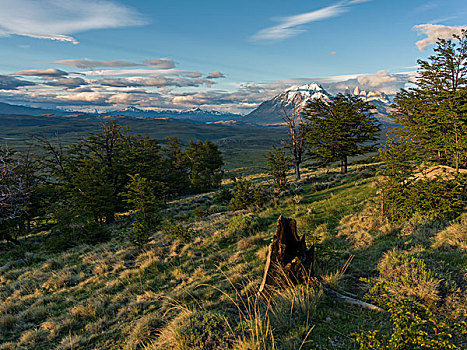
(79, 188)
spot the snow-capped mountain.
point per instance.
(370, 96)
(270, 112)
(194, 114)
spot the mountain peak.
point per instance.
(305, 87)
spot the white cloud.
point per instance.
(290, 26)
(51, 72)
(57, 19)
(435, 32)
(89, 97)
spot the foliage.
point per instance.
(71, 229)
(278, 164)
(141, 198)
(415, 326)
(178, 231)
(404, 194)
(204, 162)
(434, 132)
(432, 112)
(242, 225)
(339, 128)
(223, 196)
(203, 330)
(246, 194)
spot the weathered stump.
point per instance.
(288, 261)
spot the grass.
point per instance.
(114, 296)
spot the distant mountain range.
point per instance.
(270, 112)
(194, 114)
(6, 108)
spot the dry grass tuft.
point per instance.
(454, 235)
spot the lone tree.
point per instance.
(339, 128)
(297, 134)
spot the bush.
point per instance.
(204, 330)
(415, 326)
(404, 277)
(242, 226)
(223, 196)
(246, 194)
(178, 231)
(196, 330)
(72, 229)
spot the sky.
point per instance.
(217, 55)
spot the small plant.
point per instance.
(242, 226)
(415, 326)
(278, 166)
(246, 194)
(204, 330)
(178, 231)
(223, 196)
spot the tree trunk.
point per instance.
(297, 171)
(289, 261)
(344, 165)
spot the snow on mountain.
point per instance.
(297, 96)
(270, 112)
(194, 114)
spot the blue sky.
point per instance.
(223, 55)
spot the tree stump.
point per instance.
(288, 261)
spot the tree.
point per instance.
(13, 195)
(433, 113)
(141, 198)
(433, 136)
(297, 140)
(339, 128)
(205, 165)
(278, 165)
(176, 168)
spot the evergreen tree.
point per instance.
(176, 168)
(278, 165)
(433, 113)
(141, 198)
(205, 165)
(339, 128)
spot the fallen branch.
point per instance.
(348, 300)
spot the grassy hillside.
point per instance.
(197, 290)
(242, 145)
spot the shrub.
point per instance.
(404, 277)
(223, 196)
(415, 326)
(246, 194)
(196, 330)
(72, 229)
(178, 231)
(242, 226)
